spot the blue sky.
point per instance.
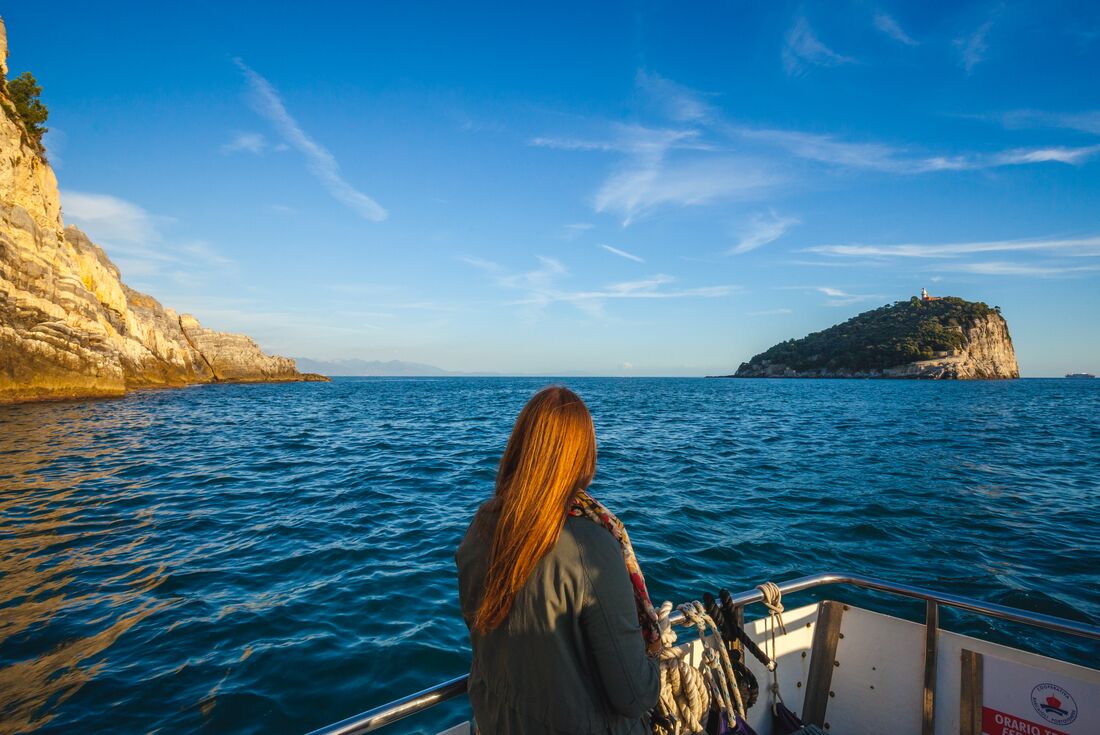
(581, 188)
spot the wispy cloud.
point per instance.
(1063, 256)
(1005, 268)
(896, 159)
(651, 176)
(973, 48)
(763, 228)
(469, 124)
(111, 219)
(574, 230)
(637, 189)
(706, 159)
(827, 148)
(642, 286)
(540, 287)
(803, 49)
(134, 239)
(254, 143)
(646, 289)
(888, 25)
(204, 251)
(837, 297)
(1085, 122)
(567, 143)
(651, 143)
(672, 99)
(539, 280)
(1057, 154)
(489, 266)
(1078, 247)
(321, 163)
(622, 253)
(54, 140)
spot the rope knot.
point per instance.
(773, 600)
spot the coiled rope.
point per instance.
(718, 665)
(684, 698)
(686, 692)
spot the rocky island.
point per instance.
(928, 337)
(69, 326)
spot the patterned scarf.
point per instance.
(585, 506)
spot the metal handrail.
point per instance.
(387, 713)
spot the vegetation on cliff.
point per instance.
(25, 94)
(892, 335)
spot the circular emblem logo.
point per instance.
(1054, 704)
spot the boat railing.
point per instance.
(386, 714)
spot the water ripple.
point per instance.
(273, 558)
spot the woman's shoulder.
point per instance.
(479, 534)
(595, 544)
(485, 518)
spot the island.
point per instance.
(69, 326)
(930, 337)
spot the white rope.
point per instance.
(724, 677)
(773, 600)
(686, 691)
(684, 698)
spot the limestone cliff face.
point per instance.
(234, 357)
(988, 354)
(965, 341)
(69, 326)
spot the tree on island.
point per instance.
(25, 92)
(892, 335)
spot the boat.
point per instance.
(854, 671)
(1080, 376)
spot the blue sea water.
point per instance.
(272, 558)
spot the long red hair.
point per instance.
(551, 454)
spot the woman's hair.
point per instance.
(550, 456)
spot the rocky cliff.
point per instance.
(947, 338)
(69, 326)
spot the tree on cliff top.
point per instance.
(24, 91)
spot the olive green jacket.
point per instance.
(569, 657)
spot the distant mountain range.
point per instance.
(370, 368)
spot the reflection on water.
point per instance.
(273, 558)
(52, 554)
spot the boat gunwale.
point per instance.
(411, 704)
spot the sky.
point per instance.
(589, 188)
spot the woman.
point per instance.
(562, 631)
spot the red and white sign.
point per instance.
(1023, 700)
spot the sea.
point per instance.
(274, 558)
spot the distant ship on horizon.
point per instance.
(1080, 376)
